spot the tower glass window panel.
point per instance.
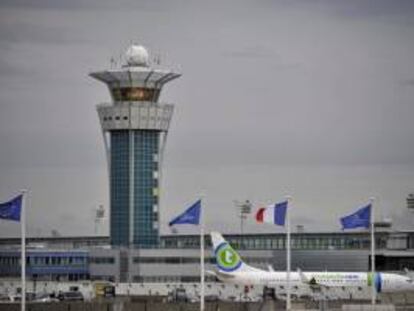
(119, 187)
(146, 145)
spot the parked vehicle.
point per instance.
(45, 298)
(18, 297)
(104, 289)
(4, 298)
(178, 295)
(211, 298)
(70, 296)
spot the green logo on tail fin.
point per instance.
(227, 258)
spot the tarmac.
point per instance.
(269, 305)
(398, 302)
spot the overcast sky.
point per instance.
(309, 98)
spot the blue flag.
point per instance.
(190, 216)
(280, 213)
(11, 210)
(361, 218)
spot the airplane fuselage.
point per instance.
(383, 282)
(232, 269)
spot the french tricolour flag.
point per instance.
(274, 214)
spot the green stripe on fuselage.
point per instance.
(370, 279)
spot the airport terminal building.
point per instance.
(176, 259)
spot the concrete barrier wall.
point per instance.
(368, 308)
(132, 306)
(210, 306)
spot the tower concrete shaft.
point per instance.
(135, 127)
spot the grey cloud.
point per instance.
(26, 32)
(9, 70)
(354, 8)
(42, 4)
(272, 94)
(252, 52)
(407, 82)
(374, 8)
(78, 5)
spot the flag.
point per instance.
(361, 218)
(274, 214)
(11, 210)
(190, 216)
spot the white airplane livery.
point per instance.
(232, 269)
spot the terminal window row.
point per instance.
(102, 260)
(194, 260)
(280, 242)
(43, 260)
(118, 118)
(115, 118)
(171, 279)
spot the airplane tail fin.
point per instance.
(227, 259)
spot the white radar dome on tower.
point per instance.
(137, 55)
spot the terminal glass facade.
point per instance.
(142, 147)
(309, 241)
(46, 265)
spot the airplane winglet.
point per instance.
(409, 273)
(303, 277)
(313, 284)
(210, 272)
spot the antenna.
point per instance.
(113, 63)
(410, 201)
(157, 59)
(55, 233)
(99, 217)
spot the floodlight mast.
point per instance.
(244, 209)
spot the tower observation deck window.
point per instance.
(134, 94)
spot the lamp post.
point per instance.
(244, 209)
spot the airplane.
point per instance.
(230, 268)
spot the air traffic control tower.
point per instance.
(134, 127)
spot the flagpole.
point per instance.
(202, 303)
(288, 302)
(373, 289)
(23, 250)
